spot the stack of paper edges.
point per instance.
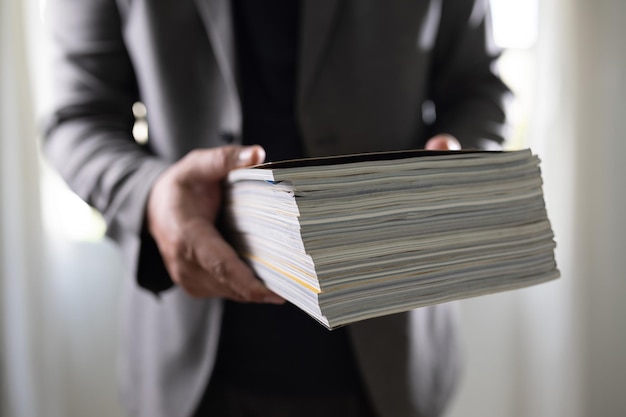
(346, 239)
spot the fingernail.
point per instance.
(245, 155)
(453, 144)
(251, 155)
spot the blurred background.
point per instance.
(556, 350)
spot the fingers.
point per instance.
(214, 164)
(181, 211)
(204, 265)
(443, 142)
(223, 272)
(249, 155)
(223, 279)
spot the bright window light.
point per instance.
(65, 215)
(515, 22)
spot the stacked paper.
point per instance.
(351, 238)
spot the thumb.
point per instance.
(443, 142)
(248, 155)
(216, 163)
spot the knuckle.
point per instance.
(218, 270)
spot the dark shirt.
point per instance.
(267, 348)
(267, 38)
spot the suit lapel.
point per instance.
(318, 17)
(218, 21)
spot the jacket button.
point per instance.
(227, 137)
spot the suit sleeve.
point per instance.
(88, 136)
(468, 95)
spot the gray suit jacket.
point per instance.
(373, 75)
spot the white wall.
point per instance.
(560, 349)
(82, 316)
(601, 198)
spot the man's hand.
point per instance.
(181, 213)
(443, 142)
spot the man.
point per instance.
(298, 78)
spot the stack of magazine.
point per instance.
(355, 237)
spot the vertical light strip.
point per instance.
(515, 22)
